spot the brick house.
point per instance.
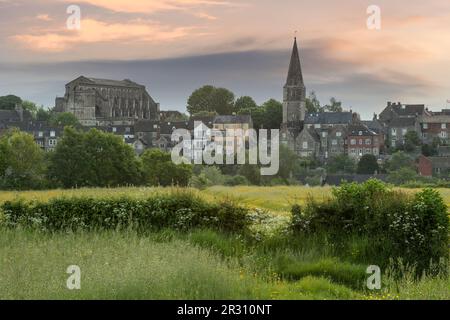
(435, 127)
(433, 166)
(361, 141)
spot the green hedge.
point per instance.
(177, 210)
(414, 228)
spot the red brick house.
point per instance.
(361, 140)
(434, 166)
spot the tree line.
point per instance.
(83, 159)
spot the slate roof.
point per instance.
(410, 110)
(402, 122)
(440, 162)
(167, 127)
(356, 129)
(146, 126)
(9, 116)
(329, 118)
(108, 82)
(233, 119)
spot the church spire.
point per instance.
(295, 76)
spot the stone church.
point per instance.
(294, 103)
(102, 102)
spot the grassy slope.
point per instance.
(127, 266)
(29, 260)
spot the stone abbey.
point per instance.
(102, 102)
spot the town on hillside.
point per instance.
(126, 108)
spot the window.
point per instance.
(425, 125)
(305, 144)
(443, 134)
(444, 126)
(40, 134)
(353, 142)
(52, 142)
(334, 142)
(360, 141)
(368, 142)
(393, 143)
(394, 132)
(114, 129)
(338, 134)
(404, 131)
(360, 133)
(317, 126)
(52, 133)
(324, 134)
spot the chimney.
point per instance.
(389, 103)
(375, 116)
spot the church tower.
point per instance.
(294, 93)
(294, 102)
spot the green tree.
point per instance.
(94, 159)
(341, 164)
(398, 161)
(43, 114)
(159, 170)
(290, 164)
(412, 141)
(368, 164)
(258, 116)
(22, 163)
(334, 106)
(9, 102)
(402, 176)
(245, 103)
(30, 107)
(273, 114)
(64, 119)
(313, 104)
(210, 98)
(251, 172)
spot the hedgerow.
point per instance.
(410, 227)
(177, 210)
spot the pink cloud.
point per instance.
(93, 31)
(149, 6)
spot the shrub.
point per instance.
(236, 181)
(414, 228)
(177, 210)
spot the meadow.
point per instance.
(277, 200)
(198, 264)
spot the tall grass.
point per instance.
(123, 265)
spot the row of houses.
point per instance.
(324, 135)
(142, 135)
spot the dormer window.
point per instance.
(52, 134)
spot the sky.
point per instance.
(175, 46)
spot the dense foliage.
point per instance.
(414, 228)
(176, 210)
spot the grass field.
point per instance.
(277, 200)
(197, 265)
